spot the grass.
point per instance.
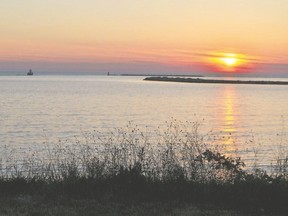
(132, 170)
(35, 205)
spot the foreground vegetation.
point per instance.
(173, 167)
(38, 205)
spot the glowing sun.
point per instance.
(229, 61)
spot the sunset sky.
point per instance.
(145, 36)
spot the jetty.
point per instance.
(214, 81)
(164, 75)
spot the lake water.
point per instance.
(37, 108)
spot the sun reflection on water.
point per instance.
(228, 118)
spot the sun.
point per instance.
(229, 61)
(232, 62)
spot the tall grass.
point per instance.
(177, 162)
(178, 151)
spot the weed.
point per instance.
(177, 163)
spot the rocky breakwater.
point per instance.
(198, 80)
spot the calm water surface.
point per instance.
(34, 109)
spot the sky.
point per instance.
(145, 36)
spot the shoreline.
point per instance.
(198, 80)
(158, 75)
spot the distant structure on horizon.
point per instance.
(30, 73)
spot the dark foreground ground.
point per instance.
(39, 205)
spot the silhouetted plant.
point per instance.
(177, 162)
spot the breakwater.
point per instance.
(198, 80)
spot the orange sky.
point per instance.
(175, 35)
